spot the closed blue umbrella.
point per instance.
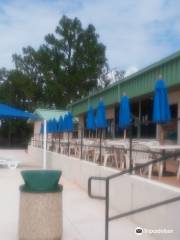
(90, 120)
(54, 130)
(125, 121)
(161, 108)
(49, 126)
(69, 120)
(54, 126)
(101, 122)
(60, 124)
(60, 128)
(124, 113)
(65, 122)
(67, 125)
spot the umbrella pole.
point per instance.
(161, 134)
(59, 142)
(100, 146)
(68, 143)
(81, 142)
(44, 144)
(125, 133)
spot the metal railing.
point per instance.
(107, 200)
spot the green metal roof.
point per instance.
(47, 114)
(135, 85)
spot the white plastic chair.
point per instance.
(141, 155)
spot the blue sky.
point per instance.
(136, 32)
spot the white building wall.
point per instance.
(126, 193)
(37, 127)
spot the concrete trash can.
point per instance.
(40, 211)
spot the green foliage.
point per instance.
(66, 66)
(61, 70)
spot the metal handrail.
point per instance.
(106, 197)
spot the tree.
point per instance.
(67, 65)
(17, 90)
(30, 68)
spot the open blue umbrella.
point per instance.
(10, 112)
(101, 122)
(161, 108)
(90, 120)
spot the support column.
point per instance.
(178, 124)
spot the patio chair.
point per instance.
(122, 157)
(109, 156)
(141, 154)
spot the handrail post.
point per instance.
(81, 141)
(107, 211)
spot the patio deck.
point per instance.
(83, 218)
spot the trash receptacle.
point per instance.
(40, 212)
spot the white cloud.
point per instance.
(131, 70)
(135, 32)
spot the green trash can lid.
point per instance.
(41, 180)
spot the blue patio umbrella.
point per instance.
(54, 126)
(125, 121)
(161, 108)
(69, 122)
(49, 126)
(68, 125)
(60, 129)
(101, 122)
(10, 112)
(53, 129)
(65, 123)
(124, 113)
(90, 119)
(60, 125)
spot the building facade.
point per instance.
(139, 87)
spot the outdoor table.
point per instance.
(165, 148)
